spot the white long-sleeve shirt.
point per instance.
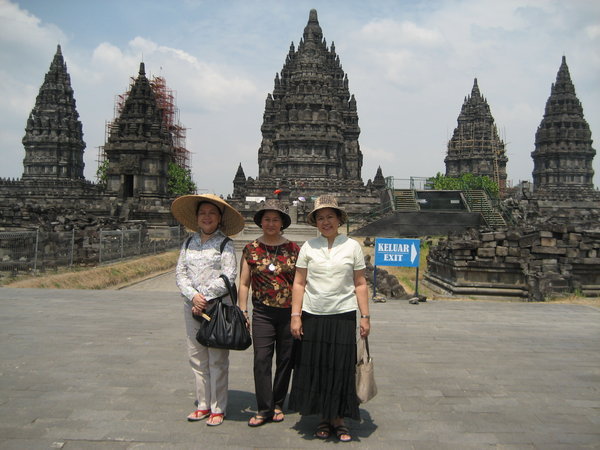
(200, 265)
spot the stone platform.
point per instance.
(108, 370)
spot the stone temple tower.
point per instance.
(53, 138)
(310, 126)
(475, 146)
(563, 155)
(139, 147)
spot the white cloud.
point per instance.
(21, 30)
(388, 32)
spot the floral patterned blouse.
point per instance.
(272, 269)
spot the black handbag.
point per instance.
(224, 326)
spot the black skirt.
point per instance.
(324, 372)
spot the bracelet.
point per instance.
(296, 314)
(365, 316)
(245, 311)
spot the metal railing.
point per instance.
(33, 251)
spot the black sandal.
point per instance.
(340, 431)
(260, 420)
(323, 430)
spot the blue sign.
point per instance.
(397, 252)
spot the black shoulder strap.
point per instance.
(187, 243)
(224, 243)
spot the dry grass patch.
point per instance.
(111, 276)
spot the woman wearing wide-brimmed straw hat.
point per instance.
(268, 266)
(202, 260)
(329, 287)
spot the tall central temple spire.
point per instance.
(310, 125)
(309, 133)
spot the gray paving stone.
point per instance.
(108, 369)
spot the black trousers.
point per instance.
(271, 333)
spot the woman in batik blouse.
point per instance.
(268, 266)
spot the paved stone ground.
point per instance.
(108, 370)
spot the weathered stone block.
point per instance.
(547, 241)
(590, 260)
(501, 251)
(513, 235)
(486, 252)
(499, 235)
(546, 234)
(548, 250)
(514, 251)
(487, 237)
(463, 245)
(529, 240)
(549, 262)
(490, 244)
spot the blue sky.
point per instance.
(410, 66)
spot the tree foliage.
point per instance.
(102, 173)
(180, 180)
(464, 182)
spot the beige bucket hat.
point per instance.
(273, 204)
(184, 209)
(326, 201)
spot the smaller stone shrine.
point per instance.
(475, 146)
(53, 138)
(563, 152)
(138, 150)
(552, 245)
(309, 135)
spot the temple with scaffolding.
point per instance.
(475, 146)
(142, 139)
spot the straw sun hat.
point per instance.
(272, 204)
(326, 201)
(184, 209)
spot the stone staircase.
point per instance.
(295, 232)
(478, 201)
(404, 200)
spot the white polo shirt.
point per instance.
(330, 274)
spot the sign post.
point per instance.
(397, 253)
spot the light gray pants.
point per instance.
(210, 367)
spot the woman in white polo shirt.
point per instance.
(329, 287)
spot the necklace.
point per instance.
(272, 265)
